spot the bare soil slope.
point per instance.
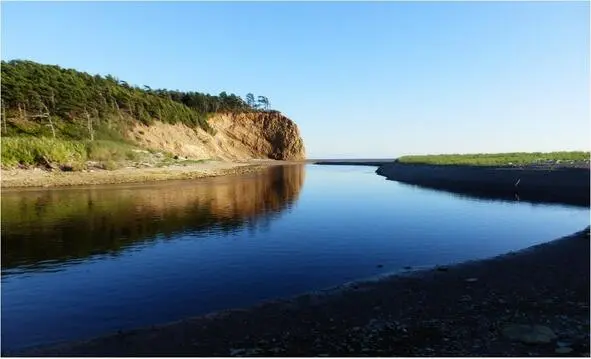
(238, 137)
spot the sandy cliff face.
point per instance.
(238, 137)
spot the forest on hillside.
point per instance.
(49, 94)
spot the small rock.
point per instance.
(408, 267)
(529, 334)
(442, 269)
(380, 265)
(234, 352)
(563, 350)
(562, 343)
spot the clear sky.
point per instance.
(361, 79)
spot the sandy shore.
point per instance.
(42, 178)
(469, 309)
(559, 184)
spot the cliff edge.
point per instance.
(237, 137)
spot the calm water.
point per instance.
(78, 263)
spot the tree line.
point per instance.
(35, 91)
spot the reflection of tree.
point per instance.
(61, 225)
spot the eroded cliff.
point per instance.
(238, 137)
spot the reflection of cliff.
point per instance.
(58, 225)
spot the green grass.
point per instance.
(32, 151)
(110, 154)
(495, 159)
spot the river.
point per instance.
(88, 261)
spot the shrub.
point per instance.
(102, 150)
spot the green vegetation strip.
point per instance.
(30, 151)
(496, 159)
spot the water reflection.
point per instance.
(41, 229)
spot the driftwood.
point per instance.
(48, 164)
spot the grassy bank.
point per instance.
(62, 153)
(496, 159)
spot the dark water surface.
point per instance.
(78, 263)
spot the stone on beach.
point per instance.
(529, 334)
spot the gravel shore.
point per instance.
(558, 183)
(529, 303)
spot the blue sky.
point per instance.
(373, 79)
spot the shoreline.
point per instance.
(18, 179)
(527, 183)
(352, 162)
(458, 310)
